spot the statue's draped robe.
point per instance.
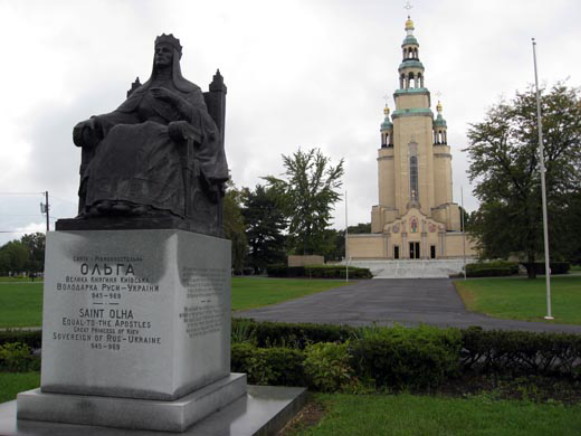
(138, 162)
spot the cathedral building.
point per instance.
(416, 217)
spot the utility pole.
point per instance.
(44, 209)
(543, 188)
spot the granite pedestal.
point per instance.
(136, 323)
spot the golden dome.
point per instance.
(409, 24)
(386, 110)
(439, 106)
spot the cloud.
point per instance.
(299, 73)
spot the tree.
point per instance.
(13, 257)
(505, 165)
(309, 190)
(265, 221)
(35, 244)
(234, 228)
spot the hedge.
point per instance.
(342, 358)
(32, 338)
(349, 358)
(318, 271)
(491, 269)
(521, 353)
(269, 334)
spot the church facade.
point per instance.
(416, 217)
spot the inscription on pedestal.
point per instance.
(106, 322)
(205, 307)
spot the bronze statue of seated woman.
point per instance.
(160, 154)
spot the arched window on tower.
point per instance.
(410, 80)
(413, 163)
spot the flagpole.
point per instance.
(543, 188)
(346, 237)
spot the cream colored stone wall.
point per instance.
(454, 245)
(365, 246)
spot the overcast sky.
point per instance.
(300, 73)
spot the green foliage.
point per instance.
(35, 244)
(17, 357)
(400, 357)
(309, 193)
(234, 227)
(505, 166)
(25, 255)
(265, 221)
(13, 257)
(31, 338)
(491, 269)
(269, 366)
(328, 367)
(300, 335)
(556, 267)
(521, 353)
(318, 271)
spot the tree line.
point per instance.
(289, 214)
(505, 166)
(24, 255)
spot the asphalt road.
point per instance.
(405, 301)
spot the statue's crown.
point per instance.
(169, 39)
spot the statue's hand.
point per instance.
(85, 133)
(182, 131)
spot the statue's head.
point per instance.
(166, 48)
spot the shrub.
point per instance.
(400, 357)
(317, 271)
(32, 338)
(328, 368)
(491, 269)
(268, 366)
(276, 366)
(268, 334)
(521, 353)
(17, 357)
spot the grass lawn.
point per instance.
(524, 299)
(12, 383)
(252, 292)
(21, 303)
(407, 414)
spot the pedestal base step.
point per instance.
(262, 411)
(174, 416)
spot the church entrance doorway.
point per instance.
(414, 250)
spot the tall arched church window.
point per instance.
(413, 163)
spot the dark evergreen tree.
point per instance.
(265, 222)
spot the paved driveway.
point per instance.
(404, 301)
